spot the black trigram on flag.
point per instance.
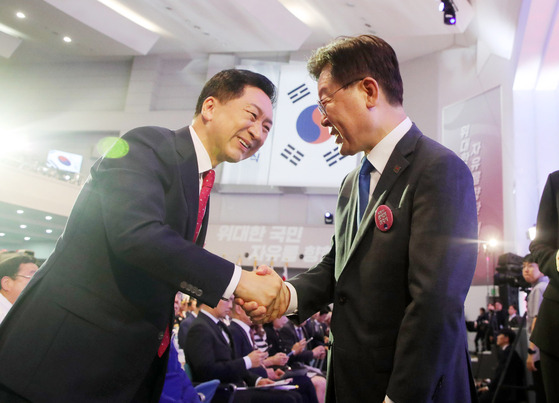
(332, 157)
(292, 155)
(298, 93)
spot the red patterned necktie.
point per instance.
(207, 184)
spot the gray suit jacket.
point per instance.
(398, 324)
(91, 321)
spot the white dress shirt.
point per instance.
(205, 164)
(5, 306)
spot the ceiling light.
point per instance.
(23, 226)
(19, 14)
(67, 39)
(48, 231)
(2, 234)
(19, 211)
(449, 12)
(48, 217)
(27, 238)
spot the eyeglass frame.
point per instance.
(320, 102)
(24, 276)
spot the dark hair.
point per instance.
(10, 262)
(507, 333)
(230, 84)
(357, 57)
(529, 258)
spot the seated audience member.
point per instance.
(16, 270)
(314, 329)
(298, 355)
(177, 387)
(273, 367)
(192, 313)
(512, 388)
(513, 319)
(292, 335)
(210, 354)
(260, 339)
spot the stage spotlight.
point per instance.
(328, 218)
(449, 13)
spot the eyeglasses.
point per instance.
(24, 276)
(322, 102)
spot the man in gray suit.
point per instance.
(404, 249)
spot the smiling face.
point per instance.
(345, 112)
(236, 129)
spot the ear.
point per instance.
(372, 90)
(208, 108)
(6, 283)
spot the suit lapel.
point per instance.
(217, 330)
(189, 177)
(396, 165)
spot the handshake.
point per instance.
(262, 294)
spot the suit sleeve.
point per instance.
(138, 193)
(431, 343)
(544, 247)
(315, 288)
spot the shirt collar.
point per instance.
(210, 316)
(4, 302)
(202, 156)
(242, 324)
(380, 154)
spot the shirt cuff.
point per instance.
(233, 283)
(387, 399)
(557, 259)
(293, 302)
(248, 362)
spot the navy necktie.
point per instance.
(364, 186)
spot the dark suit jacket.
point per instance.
(544, 248)
(95, 313)
(243, 346)
(288, 337)
(398, 324)
(183, 329)
(211, 357)
(514, 376)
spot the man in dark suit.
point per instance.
(209, 352)
(404, 248)
(95, 319)
(511, 390)
(544, 249)
(273, 366)
(187, 322)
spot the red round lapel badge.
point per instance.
(384, 218)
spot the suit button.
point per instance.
(160, 336)
(198, 292)
(184, 285)
(342, 299)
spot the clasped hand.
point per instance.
(262, 294)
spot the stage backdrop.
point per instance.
(472, 129)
